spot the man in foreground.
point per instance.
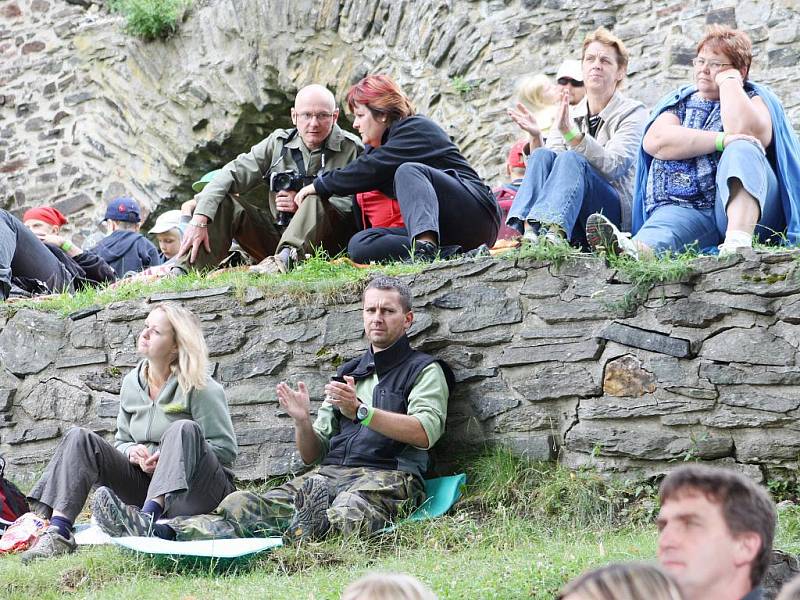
(284, 162)
(381, 415)
(715, 533)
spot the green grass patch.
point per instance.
(317, 275)
(647, 271)
(151, 19)
(543, 250)
(522, 530)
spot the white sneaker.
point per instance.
(602, 234)
(529, 235)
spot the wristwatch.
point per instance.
(364, 415)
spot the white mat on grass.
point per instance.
(227, 548)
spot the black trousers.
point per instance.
(430, 200)
(188, 474)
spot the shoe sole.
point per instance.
(311, 504)
(111, 515)
(600, 236)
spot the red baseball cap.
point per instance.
(46, 214)
(516, 156)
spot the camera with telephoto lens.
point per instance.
(287, 181)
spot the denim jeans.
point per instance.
(673, 227)
(22, 255)
(563, 189)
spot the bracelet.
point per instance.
(571, 134)
(368, 419)
(199, 225)
(720, 141)
(67, 246)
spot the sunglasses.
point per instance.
(568, 81)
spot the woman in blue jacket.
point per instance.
(443, 201)
(719, 162)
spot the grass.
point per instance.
(317, 275)
(150, 19)
(544, 251)
(644, 273)
(521, 531)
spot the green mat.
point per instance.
(442, 493)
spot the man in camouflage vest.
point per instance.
(370, 442)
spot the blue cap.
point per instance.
(123, 209)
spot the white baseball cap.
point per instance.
(168, 220)
(570, 68)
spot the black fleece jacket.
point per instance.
(411, 139)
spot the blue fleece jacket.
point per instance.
(783, 155)
(127, 251)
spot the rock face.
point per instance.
(87, 112)
(546, 363)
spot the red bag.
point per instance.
(12, 502)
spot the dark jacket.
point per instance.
(412, 139)
(357, 446)
(127, 251)
(85, 269)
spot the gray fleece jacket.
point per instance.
(142, 421)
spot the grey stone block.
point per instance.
(756, 346)
(646, 340)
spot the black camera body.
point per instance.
(290, 181)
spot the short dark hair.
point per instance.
(384, 282)
(746, 506)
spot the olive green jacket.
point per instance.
(142, 421)
(247, 171)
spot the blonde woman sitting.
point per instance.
(172, 450)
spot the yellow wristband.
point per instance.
(571, 134)
(720, 143)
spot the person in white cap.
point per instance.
(536, 123)
(168, 231)
(570, 77)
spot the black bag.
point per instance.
(12, 502)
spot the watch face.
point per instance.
(362, 412)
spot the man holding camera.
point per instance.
(285, 161)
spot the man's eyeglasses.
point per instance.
(712, 65)
(320, 116)
(568, 81)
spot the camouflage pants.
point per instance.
(364, 501)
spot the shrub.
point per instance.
(150, 19)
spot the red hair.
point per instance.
(734, 44)
(382, 96)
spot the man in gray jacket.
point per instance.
(315, 145)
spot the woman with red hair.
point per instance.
(443, 202)
(719, 162)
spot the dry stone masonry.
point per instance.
(87, 112)
(553, 361)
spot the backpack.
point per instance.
(12, 502)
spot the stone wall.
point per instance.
(87, 112)
(551, 360)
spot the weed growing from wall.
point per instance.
(150, 19)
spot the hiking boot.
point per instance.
(50, 544)
(310, 520)
(602, 234)
(118, 519)
(422, 251)
(283, 262)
